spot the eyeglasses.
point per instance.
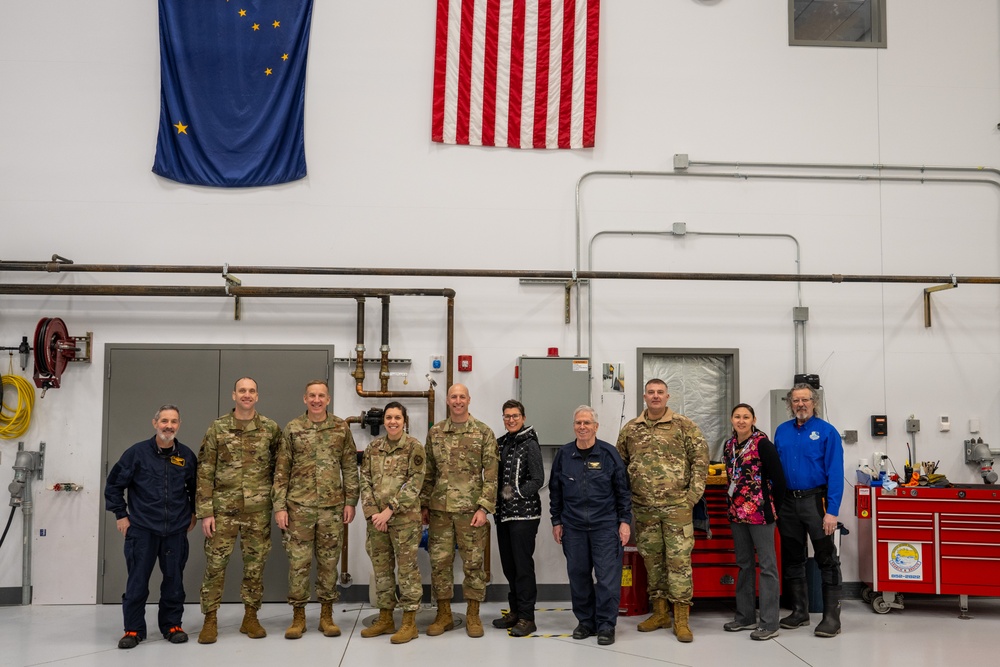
(796, 401)
(510, 418)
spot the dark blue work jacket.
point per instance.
(153, 488)
(588, 491)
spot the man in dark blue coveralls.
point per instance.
(151, 492)
(591, 509)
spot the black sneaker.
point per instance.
(582, 632)
(508, 620)
(523, 628)
(606, 637)
(175, 635)
(129, 640)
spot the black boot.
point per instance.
(795, 592)
(830, 625)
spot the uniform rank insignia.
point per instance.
(593, 465)
(177, 460)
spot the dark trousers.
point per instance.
(594, 555)
(516, 541)
(142, 551)
(798, 518)
(747, 539)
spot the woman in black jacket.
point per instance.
(519, 510)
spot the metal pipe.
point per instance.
(819, 165)
(578, 273)
(383, 374)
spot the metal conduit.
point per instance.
(681, 173)
(821, 165)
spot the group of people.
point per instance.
(307, 475)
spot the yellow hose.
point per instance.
(15, 425)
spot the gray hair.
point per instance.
(586, 408)
(168, 406)
(812, 392)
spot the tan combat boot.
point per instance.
(383, 626)
(408, 630)
(443, 622)
(251, 627)
(298, 625)
(659, 619)
(210, 630)
(473, 626)
(326, 624)
(681, 628)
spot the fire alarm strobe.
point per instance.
(54, 348)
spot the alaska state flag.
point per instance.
(232, 91)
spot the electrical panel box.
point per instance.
(551, 388)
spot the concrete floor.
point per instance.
(927, 632)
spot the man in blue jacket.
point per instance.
(812, 456)
(151, 492)
(591, 509)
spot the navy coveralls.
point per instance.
(589, 497)
(160, 488)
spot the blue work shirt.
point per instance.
(159, 485)
(589, 490)
(812, 455)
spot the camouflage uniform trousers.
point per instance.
(313, 530)
(665, 539)
(445, 531)
(254, 531)
(398, 545)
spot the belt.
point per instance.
(805, 493)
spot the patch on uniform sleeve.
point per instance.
(178, 460)
(593, 465)
(418, 460)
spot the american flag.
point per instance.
(516, 73)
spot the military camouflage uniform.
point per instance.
(235, 471)
(460, 477)
(315, 476)
(392, 474)
(667, 462)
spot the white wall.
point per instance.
(712, 79)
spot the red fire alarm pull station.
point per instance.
(465, 363)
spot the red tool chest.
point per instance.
(924, 540)
(713, 561)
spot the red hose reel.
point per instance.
(54, 349)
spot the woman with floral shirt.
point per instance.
(756, 488)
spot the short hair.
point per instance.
(167, 406)
(322, 382)
(246, 377)
(397, 405)
(654, 381)
(812, 393)
(586, 408)
(513, 404)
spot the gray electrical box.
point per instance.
(550, 389)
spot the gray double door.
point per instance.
(199, 380)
